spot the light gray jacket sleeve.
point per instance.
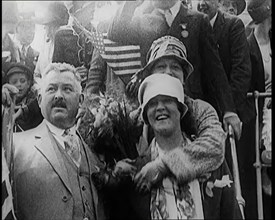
(206, 152)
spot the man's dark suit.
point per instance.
(229, 34)
(208, 81)
(71, 48)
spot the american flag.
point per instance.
(123, 59)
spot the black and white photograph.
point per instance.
(138, 109)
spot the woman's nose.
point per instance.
(160, 105)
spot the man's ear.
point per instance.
(81, 99)
(39, 99)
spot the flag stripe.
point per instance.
(122, 57)
(114, 63)
(126, 72)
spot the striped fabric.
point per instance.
(123, 59)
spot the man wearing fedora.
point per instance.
(208, 80)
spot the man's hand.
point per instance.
(235, 122)
(8, 93)
(149, 175)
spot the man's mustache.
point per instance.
(59, 103)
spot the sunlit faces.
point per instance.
(208, 7)
(21, 82)
(163, 114)
(169, 66)
(60, 98)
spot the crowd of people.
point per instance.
(198, 65)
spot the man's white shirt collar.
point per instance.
(58, 132)
(174, 10)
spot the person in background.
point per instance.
(259, 41)
(27, 112)
(56, 16)
(229, 35)
(52, 164)
(10, 17)
(233, 7)
(208, 80)
(24, 35)
(70, 43)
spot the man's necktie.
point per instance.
(23, 54)
(72, 147)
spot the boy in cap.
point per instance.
(28, 114)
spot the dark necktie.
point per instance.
(23, 54)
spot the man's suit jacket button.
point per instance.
(65, 198)
(83, 188)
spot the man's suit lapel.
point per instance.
(218, 26)
(49, 149)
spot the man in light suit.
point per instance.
(208, 80)
(52, 164)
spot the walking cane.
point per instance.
(235, 168)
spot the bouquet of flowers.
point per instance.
(112, 127)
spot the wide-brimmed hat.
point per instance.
(259, 10)
(19, 68)
(160, 84)
(167, 46)
(56, 13)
